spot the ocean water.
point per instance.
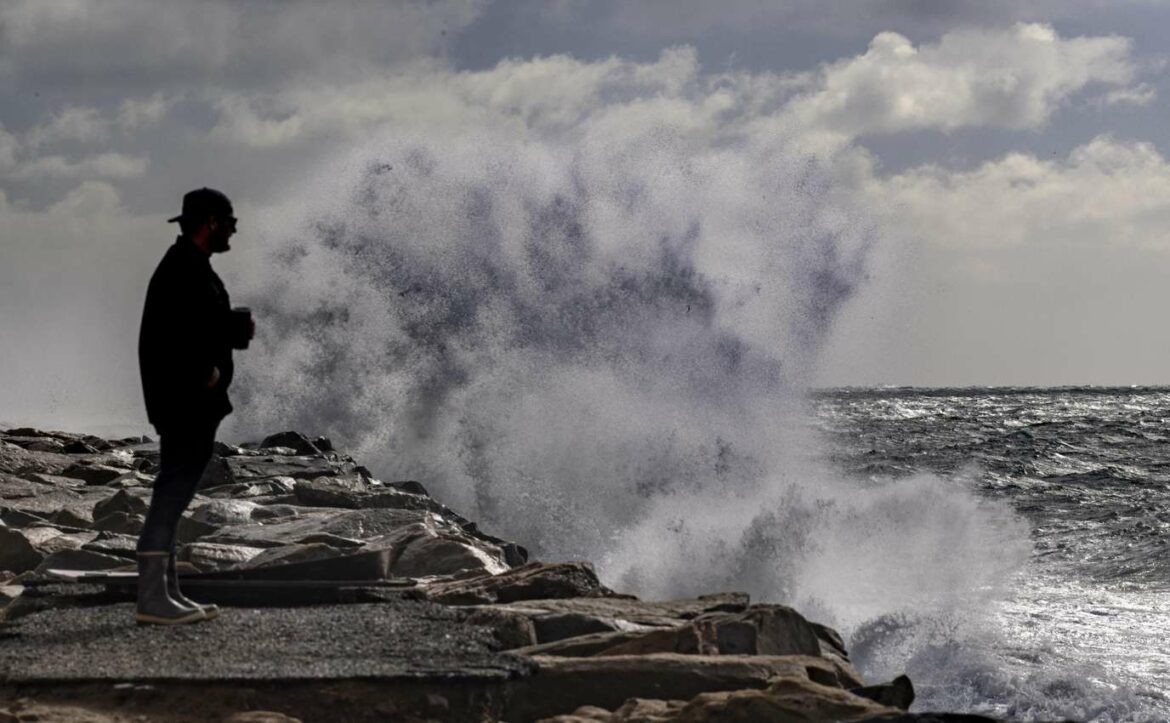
(1081, 629)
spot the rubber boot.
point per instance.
(210, 611)
(155, 606)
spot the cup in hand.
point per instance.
(240, 327)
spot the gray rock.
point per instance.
(354, 524)
(122, 501)
(246, 469)
(24, 549)
(219, 512)
(296, 552)
(357, 493)
(760, 630)
(275, 512)
(217, 473)
(132, 479)
(534, 581)
(898, 693)
(55, 480)
(125, 523)
(93, 474)
(22, 462)
(511, 630)
(429, 552)
(14, 488)
(298, 442)
(209, 556)
(80, 559)
(112, 543)
(70, 518)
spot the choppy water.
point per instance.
(1083, 629)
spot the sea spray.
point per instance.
(594, 338)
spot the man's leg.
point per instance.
(184, 453)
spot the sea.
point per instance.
(1082, 630)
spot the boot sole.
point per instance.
(148, 619)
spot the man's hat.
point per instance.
(202, 203)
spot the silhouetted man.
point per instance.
(185, 357)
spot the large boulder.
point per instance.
(122, 501)
(563, 685)
(93, 474)
(299, 443)
(759, 630)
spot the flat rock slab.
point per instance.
(396, 640)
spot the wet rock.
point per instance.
(246, 469)
(263, 488)
(534, 581)
(425, 551)
(356, 493)
(209, 556)
(79, 559)
(296, 441)
(898, 693)
(563, 685)
(633, 612)
(122, 501)
(354, 524)
(93, 474)
(759, 630)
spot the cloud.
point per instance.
(71, 123)
(1015, 78)
(102, 165)
(1107, 192)
(122, 44)
(137, 113)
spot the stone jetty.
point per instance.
(352, 598)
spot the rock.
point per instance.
(55, 480)
(634, 613)
(898, 693)
(263, 488)
(534, 581)
(15, 488)
(78, 446)
(511, 630)
(356, 493)
(112, 543)
(225, 512)
(124, 523)
(426, 551)
(260, 716)
(217, 473)
(354, 524)
(412, 487)
(70, 518)
(245, 469)
(22, 550)
(190, 529)
(553, 627)
(296, 441)
(275, 512)
(790, 698)
(208, 556)
(132, 479)
(563, 685)
(759, 630)
(79, 559)
(18, 519)
(122, 501)
(22, 462)
(93, 474)
(294, 553)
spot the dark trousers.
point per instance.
(184, 451)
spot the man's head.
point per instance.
(207, 219)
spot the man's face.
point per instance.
(221, 230)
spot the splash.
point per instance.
(593, 337)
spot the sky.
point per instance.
(1012, 157)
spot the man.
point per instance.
(185, 358)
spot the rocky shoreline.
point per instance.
(352, 598)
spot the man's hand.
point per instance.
(214, 379)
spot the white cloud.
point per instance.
(71, 123)
(1014, 78)
(102, 165)
(136, 113)
(1107, 193)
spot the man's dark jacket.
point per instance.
(184, 334)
